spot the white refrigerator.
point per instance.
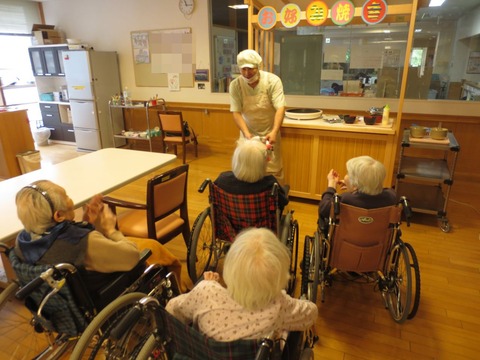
(92, 78)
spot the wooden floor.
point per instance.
(353, 323)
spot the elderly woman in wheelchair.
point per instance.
(238, 199)
(251, 318)
(95, 262)
(359, 236)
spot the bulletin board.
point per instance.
(163, 58)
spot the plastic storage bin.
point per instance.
(41, 136)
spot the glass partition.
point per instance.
(368, 60)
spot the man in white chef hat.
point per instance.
(258, 104)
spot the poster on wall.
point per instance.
(158, 53)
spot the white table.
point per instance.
(98, 172)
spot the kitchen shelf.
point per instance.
(426, 181)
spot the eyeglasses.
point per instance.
(44, 194)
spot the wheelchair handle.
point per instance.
(52, 276)
(407, 210)
(336, 204)
(265, 349)
(132, 316)
(29, 288)
(202, 187)
(126, 322)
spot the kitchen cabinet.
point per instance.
(47, 60)
(425, 174)
(310, 148)
(55, 117)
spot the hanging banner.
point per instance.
(374, 11)
(290, 15)
(267, 18)
(342, 12)
(316, 13)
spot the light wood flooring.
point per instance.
(353, 323)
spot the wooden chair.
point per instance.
(173, 132)
(165, 213)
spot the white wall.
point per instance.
(106, 25)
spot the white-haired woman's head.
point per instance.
(249, 161)
(256, 268)
(366, 174)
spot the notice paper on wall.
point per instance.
(158, 53)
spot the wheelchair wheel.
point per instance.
(152, 349)
(311, 268)
(202, 245)
(16, 325)
(289, 237)
(95, 339)
(415, 281)
(399, 292)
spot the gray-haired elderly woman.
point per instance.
(249, 172)
(254, 304)
(363, 184)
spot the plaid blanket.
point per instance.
(233, 213)
(186, 343)
(60, 314)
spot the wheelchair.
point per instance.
(364, 245)
(57, 304)
(159, 335)
(216, 227)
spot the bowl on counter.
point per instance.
(349, 119)
(438, 133)
(418, 131)
(370, 120)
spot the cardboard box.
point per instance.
(46, 34)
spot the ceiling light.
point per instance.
(241, 6)
(434, 3)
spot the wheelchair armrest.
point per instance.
(113, 202)
(122, 281)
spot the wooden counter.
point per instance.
(15, 137)
(311, 148)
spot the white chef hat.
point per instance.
(248, 58)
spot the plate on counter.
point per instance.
(303, 114)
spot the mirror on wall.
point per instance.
(365, 60)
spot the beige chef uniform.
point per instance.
(258, 107)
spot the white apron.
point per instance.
(259, 114)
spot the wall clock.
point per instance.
(186, 6)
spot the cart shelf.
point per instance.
(426, 181)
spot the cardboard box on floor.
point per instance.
(46, 34)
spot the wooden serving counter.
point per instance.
(311, 148)
(15, 137)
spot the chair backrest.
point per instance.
(171, 122)
(361, 238)
(185, 342)
(167, 193)
(61, 313)
(233, 212)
